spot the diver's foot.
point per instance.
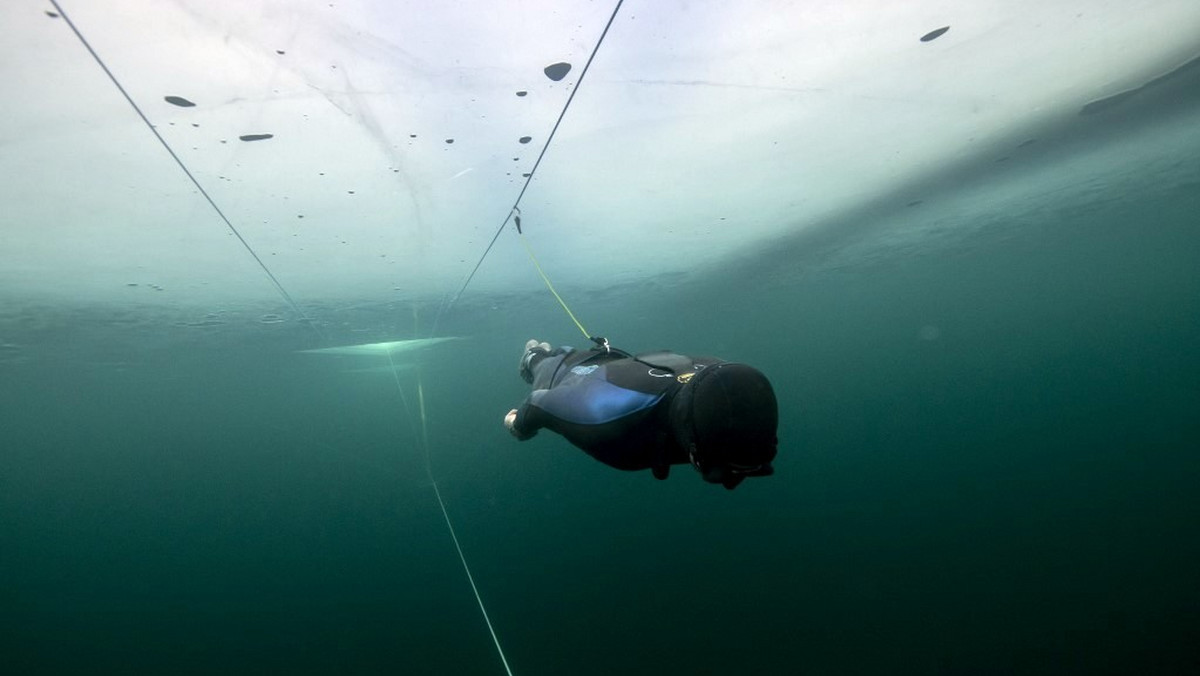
(532, 347)
(533, 342)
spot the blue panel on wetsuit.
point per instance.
(592, 401)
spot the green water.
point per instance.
(989, 461)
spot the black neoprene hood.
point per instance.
(729, 412)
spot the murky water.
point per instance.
(989, 463)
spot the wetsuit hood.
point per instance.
(725, 416)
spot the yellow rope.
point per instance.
(551, 286)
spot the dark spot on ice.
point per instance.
(412, 135)
(131, 284)
(525, 175)
(449, 140)
(50, 14)
(279, 51)
(256, 137)
(915, 203)
(516, 159)
(299, 215)
(934, 34)
(178, 101)
(557, 71)
(526, 139)
(195, 125)
(1027, 142)
(350, 191)
(522, 93)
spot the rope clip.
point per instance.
(602, 342)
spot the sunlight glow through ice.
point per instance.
(375, 349)
(709, 130)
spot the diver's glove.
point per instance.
(532, 347)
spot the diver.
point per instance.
(652, 410)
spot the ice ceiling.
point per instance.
(368, 149)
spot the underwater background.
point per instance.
(961, 239)
(989, 460)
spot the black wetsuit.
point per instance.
(609, 404)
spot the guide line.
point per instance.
(516, 210)
(270, 275)
(437, 491)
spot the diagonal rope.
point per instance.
(441, 503)
(516, 205)
(278, 286)
(467, 569)
(550, 286)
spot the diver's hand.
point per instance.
(510, 419)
